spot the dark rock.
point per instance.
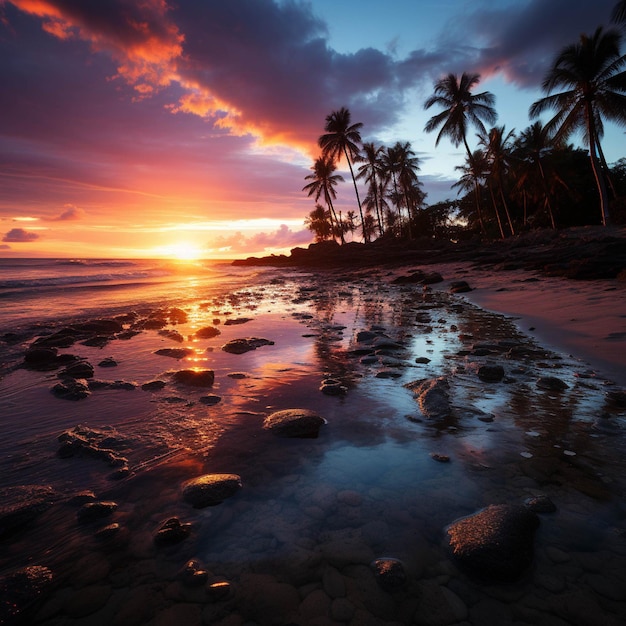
(71, 389)
(552, 383)
(491, 373)
(41, 358)
(495, 543)
(100, 326)
(153, 385)
(617, 398)
(172, 531)
(193, 574)
(108, 362)
(195, 378)
(431, 278)
(210, 400)
(389, 573)
(21, 590)
(433, 397)
(416, 277)
(97, 341)
(63, 338)
(177, 316)
(442, 458)
(80, 369)
(210, 489)
(422, 360)
(175, 353)
(174, 335)
(20, 505)
(82, 497)
(108, 532)
(207, 332)
(459, 286)
(237, 320)
(332, 387)
(124, 385)
(540, 504)
(239, 346)
(92, 511)
(294, 423)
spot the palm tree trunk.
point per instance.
(546, 193)
(495, 208)
(597, 169)
(356, 191)
(332, 211)
(606, 169)
(470, 159)
(506, 210)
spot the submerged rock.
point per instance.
(71, 389)
(491, 373)
(552, 383)
(21, 504)
(459, 286)
(239, 346)
(80, 369)
(21, 590)
(175, 353)
(301, 423)
(210, 489)
(172, 531)
(389, 573)
(207, 332)
(495, 543)
(92, 511)
(153, 385)
(432, 396)
(195, 378)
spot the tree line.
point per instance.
(511, 182)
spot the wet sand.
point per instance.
(295, 544)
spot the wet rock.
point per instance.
(333, 387)
(459, 286)
(422, 360)
(210, 489)
(124, 385)
(441, 458)
(97, 341)
(174, 353)
(234, 321)
(294, 423)
(239, 346)
(80, 369)
(153, 385)
(388, 373)
(41, 358)
(491, 373)
(617, 397)
(93, 511)
(389, 573)
(438, 605)
(263, 595)
(82, 440)
(172, 531)
(415, 277)
(207, 332)
(20, 505)
(433, 397)
(551, 383)
(218, 590)
(71, 389)
(100, 326)
(63, 338)
(108, 362)
(210, 400)
(107, 533)
(495, 543)
(195, 378)
(540, 504)
(193, 574)
(21, 590)
(174, 335)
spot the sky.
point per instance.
(185, 128)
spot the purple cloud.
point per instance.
(71, 213)
(283, 237)
(19, 235)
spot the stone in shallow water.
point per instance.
(93, 511)
(540, 504)
(207, 332)
(389, 573)
(172, 531)
(153, 385)
(20, 590)
(432, 396)
(552, 383)
(20, 505)
(174, 353)
(72, 389)
(495, 543)
(294, 423)
(210, 489)
(239, 346)
(491, 373)
(195, 378)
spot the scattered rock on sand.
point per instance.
(210, 489)
(433, 396)
(210, 400)
(239, 346)
(495, 543)
(234, 321)
(294, 423)
(80, 369)
(93, 511)
(552, 383)
(195, 378)
(108, 362)
(21, 590)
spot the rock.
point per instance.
(108, 362)
(210, 400)
(237, 320)
(459, 286)
(175, 353)
(441, 458)
(71, 389)
(124, 385)
(93, 511)
(193, 574)
(20, 505)
(41, 358)
(210, 489)
(97, 341)
(207, 332)
(551, 383)
(332, 387)
(540, 504)
(491, 373)
(153, 385)
(495, 543)
(21, 590)
(239, 346)
(195, 378)
(108, 532)
(80, 369)
(172, 531)
(389, 573)
(422, 360)
(415, 277)
(301, 423)
(432, 396)
(438, 606)
(99, 326)
(174, 335)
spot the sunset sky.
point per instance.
(154, 127)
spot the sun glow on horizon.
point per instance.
(183, 251)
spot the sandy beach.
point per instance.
(428, 409)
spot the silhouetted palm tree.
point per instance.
(342, 139)
(324, 181)
(320, 222)
(619, 12)
(591, 72)
(461, 108)
(407, 165)
(372, 173)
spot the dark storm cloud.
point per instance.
(19, 235)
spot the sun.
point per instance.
(183, 251)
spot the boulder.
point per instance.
(495, 543)
(207, 332)
(80, 369)
(172, 531)
(93, 511)
(239, 346)
(301, 423)
(71, 389)
(153, 385)
(389, 573)
(210, 489)
(21, 504)
(175, 353)
(433, 397)
(491, 373)
(195, 378)
(459, 286)
(552, 383)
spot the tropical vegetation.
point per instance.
(512, 182)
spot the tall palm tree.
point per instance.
(461, 108)
(474, 172)
(342, 139)
(372, 173)
(407, 165)
(320, 222)
(592, 74)
(323, 182)
(619, 12)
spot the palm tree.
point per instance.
(319, 222)
(342, 139)
(372, 173)
(619, 12)
(591, 72)
(407, 165)
(460, 109)
(324, 181)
